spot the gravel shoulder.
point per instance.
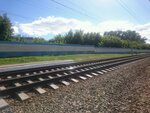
(126, 90)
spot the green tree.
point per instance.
(5, 28)
(78, 35)
(69, 37)
(127, 35)
(91, 39)
(111, 41)
(58, 39)
(119, 39)
(17, 38)
(39, 40)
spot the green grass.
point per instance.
(77, 57)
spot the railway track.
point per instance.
(20, 82)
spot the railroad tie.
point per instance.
(65, 73)
(41, 79)
(58, 69)
(53, 86)
(21, 95)
(94, 74)
(108, 69)
(39, 89)
(41, 72)
(71, 72)
(9, 77)
(104, 71)
(52, 70)
(2, 88)
(86, 69)
(74, 80)
(50, 77)
(77, 71)
(34, 72)
(27, 74)
(59, 75)
(100, 72)
(82, 69)
(18, 75)
(3, 104)
(115, 67)
(91, 67)
(46, 70)
(65, 83)
(83, 78)
(88, 75)
(111, 69)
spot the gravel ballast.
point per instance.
(126, 90)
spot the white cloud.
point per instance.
(55, 25)
(115, 25)
(52, 25)
(16, 29)
(144, 30)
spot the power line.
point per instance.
(32, 5)
(127, 10)
(82, 9)
(77, 11)
(146, 7)
(130, 9)
(76, 5)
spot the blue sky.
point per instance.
(47, 18)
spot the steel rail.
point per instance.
(24, 87)
(32, 76)
(23, 71)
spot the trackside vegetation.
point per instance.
(77, 57)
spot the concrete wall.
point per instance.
(30, 47)
(12, 49)
(112, 50)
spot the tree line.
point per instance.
(118, 39)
